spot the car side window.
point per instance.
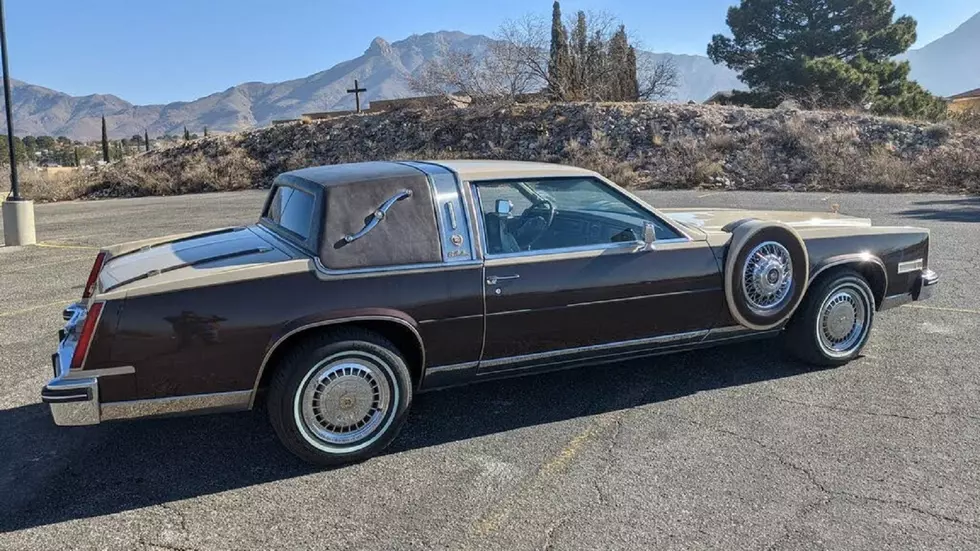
(292, 210)
(559, 213)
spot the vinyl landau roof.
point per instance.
(343, 174)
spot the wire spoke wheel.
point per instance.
(345, 399)
(767, 278)
(842, 321)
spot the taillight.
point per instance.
(85, 337)
(93, 276)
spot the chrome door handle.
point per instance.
(493, 280)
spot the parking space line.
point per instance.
(60, 246)
(942, 309)
(65, 302)
(710, 194)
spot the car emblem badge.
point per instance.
(456, 239)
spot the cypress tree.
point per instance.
(580, 78)
(558, 61)
(205, 131)
(146, 139)
(187, 135)
(632, 89)
(105, 141)
(77, 161)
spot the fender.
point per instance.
(855, 258)
(335, 318)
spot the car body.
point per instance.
(412, 276)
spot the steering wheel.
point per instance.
(530, 230)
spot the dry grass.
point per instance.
(637, 145)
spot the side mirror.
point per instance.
(503, 207)
(649, 236)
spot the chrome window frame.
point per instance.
(477, 205)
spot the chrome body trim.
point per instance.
(894, 301)
(454, 367)
(395, 269)
(922, 289)
(73, 402)
(284, 338)
(911, 266)
(661, 339)
(378, 215)
(199, 403)
(106, 372)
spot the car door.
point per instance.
(567, 277)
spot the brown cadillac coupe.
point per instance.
(361, 285)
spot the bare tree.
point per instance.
(658, 79)
(498, 74)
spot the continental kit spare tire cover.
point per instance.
(766, 273)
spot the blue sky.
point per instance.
(148, 51)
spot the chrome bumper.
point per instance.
(922, 289)
(73, 397)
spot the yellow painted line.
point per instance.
(942, 309)
(60, 246)
(710, 194)
(491, 521)
(63, 302)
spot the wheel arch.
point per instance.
(403, 333)
(866, 264)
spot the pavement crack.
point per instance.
(846, 410)
(607, 461)
(549, 533)
(815, 482)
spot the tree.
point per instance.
(78, 162)
(559, 69)
(656, 80)
(187, 135)
(45, 142)
(205, 131)
(823, 54)
(146, 139)
(20, 152)
(105, 142)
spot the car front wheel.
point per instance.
(834, 322)
(341, 397)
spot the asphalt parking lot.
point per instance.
(732, 448)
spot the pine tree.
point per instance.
(146, 139)
(823, 54)
(187, 135)
(105, 141)
(558, 61)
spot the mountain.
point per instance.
(381, 69)
(951, 64)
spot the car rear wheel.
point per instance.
(835, 320)
(341, 397)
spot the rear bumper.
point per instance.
(72, 397)
(923, 289)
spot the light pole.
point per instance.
(18, 214)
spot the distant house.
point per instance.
(723, 97)
(967, 101)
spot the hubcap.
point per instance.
(345, 400)
(842, 322)
(768, 277)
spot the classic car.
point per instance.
(362, 285)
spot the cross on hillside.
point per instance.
(356, 90)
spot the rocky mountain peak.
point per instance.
(379, 46)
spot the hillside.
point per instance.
(951, 64)
(381, 69)
(639, 145)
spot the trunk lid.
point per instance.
(713, 220)
(189, 256)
